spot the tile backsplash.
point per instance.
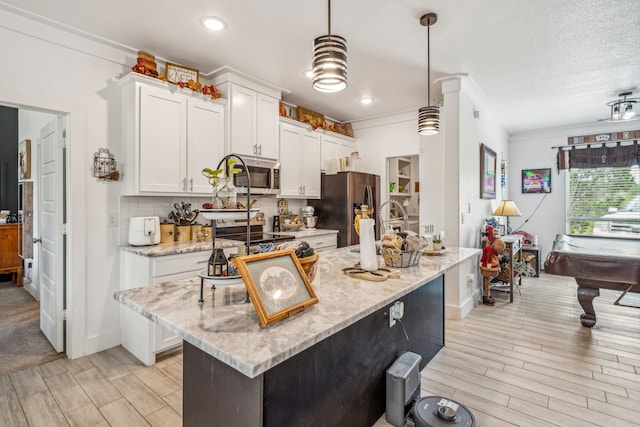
(131, 206)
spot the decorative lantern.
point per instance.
(218, 265)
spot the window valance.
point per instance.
(618, 155)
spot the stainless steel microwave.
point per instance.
(264, 175)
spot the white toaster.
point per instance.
(144, 230)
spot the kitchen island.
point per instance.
(324, 366)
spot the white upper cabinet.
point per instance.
(299, 162)
(168, 137)
(162, 142)
(333, 148)
(253, 116)
(205, 137)
(267, 119)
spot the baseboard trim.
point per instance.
(101, 342)
(458, 312)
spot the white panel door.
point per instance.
(267, 126)
(51, 203)
(290, 138)
(205, 142)
(243, 121)
(310, 164)
(163, 141)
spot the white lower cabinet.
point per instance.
(326, 241)
(142, 337)
(299, 162)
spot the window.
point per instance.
(604, 202)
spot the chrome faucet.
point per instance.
(405, 218)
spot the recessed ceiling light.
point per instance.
(366, 100)
(308, 73)
(213, 23)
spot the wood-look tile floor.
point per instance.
(529, 363)
(110, 388)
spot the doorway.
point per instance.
(22, 341)
(403, 191)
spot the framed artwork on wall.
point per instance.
(278, 286)
(487, 172)
(536, 180)
(24, 159)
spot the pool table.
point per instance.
(596, 263)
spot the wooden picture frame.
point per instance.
(24, 159)
(311, 117)
(277, 284)
(180, 74)
(487, 172)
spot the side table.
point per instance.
(513, 243)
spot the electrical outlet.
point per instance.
(112, 219)
(396, 311)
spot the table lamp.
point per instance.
(507, 208)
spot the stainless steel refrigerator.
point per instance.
(341, 193)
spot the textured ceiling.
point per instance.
(540, 63)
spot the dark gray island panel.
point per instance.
(339, 381)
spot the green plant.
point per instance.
(437, 241)
(212, 175)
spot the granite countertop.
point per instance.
(229, 330)
(163, 249)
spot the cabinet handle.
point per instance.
(191, 185)
(202, 261)
(255, 149)
(260, 150)
(184, 183)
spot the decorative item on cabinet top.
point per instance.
(104, 166)
(180, 75)
(317, 120)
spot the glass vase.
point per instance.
(224, 194)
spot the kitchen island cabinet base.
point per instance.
(338, 381)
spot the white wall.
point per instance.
(465, 211)
(533, 150)
(58, 72)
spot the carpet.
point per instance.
(22, 343)
(630, 300)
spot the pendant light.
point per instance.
(429, 116)
(329, 61)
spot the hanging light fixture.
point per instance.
(329, 61)
(429, 116)
(622, 108)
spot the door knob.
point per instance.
(37, 240)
